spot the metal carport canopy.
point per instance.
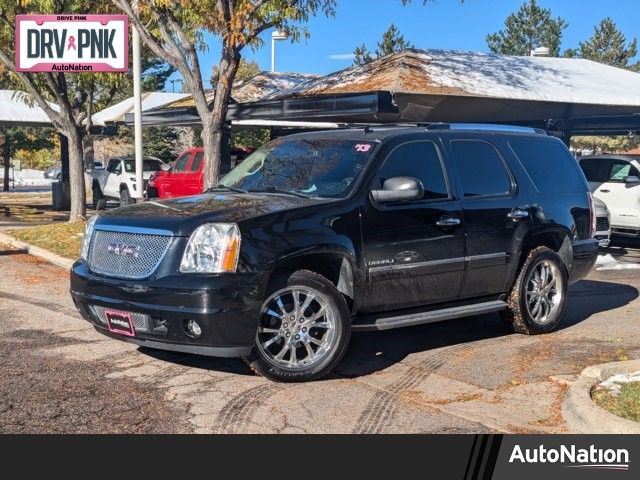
(570, 96)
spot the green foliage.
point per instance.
(40, 159)
(249, 137)
(529, 28)
(608, 45)
(626, 404)
(158, 142)
(392, 42)
(246, 70)
(33, 147)
(614, 144)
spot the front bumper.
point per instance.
(227, 307)
(585, 254)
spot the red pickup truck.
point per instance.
(185, 177)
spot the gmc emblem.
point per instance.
(123, 250)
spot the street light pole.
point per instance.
(137, 108)
(276, 36)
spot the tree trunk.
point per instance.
(213, 121)
(76, 176)
(6, 154)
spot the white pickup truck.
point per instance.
(118, 180)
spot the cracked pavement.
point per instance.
(464, 376)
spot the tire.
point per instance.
(125, 197)
(97, 197)
(545, 292)
(316, 350)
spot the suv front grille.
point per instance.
(602, 224)
(126, 254)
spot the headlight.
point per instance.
(88, 233)
(212, 248)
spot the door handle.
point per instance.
(517, 214)
(448, 222)
(604, 191)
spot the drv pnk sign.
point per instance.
(72, 43)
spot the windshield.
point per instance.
(147, 166)
(317, 168)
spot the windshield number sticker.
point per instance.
(363, 147)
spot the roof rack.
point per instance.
(491, 127)
(370, 127)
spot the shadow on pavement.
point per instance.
(370, 352)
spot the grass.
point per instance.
(625, 405)
(62, 238)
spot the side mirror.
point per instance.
(632, 179)
(399, 189)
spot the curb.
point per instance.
(581, 412)
(37, 252)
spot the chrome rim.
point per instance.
(298, 328)
(544, 292)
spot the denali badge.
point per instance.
(123, 250)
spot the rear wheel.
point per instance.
(538, 298)
(304, 329)
(98, 198)
(125, 197)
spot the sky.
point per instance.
(445, 24)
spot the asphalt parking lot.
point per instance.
(472, 375)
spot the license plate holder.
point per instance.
(120, 323)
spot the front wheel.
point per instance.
(125, 197)
(304, 329)
(538, 298)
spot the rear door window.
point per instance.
(550, 165)
(419, 160)
(482, 170)
(594, 169)
(197, 162)
(619, 170)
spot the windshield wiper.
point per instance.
(224, 187)
(280, 190)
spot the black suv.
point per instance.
(318, 235)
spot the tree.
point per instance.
(392, 42)
(174, 30)
(529, 28)
(608, 45)
(246, 69)
(15, 139)
(76, 95)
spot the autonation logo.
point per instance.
(573, 457)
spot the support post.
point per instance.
(137, 110)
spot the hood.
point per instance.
(182, 215)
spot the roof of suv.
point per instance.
(384, 132)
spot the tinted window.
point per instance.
(147, 166)
(550, 165)
(317, 167)
(619, 170)
(419, 160)
(114, 166)
(180, 164)
(481, 168)
(197, 162)
(594, 169)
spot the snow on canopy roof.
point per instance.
(150, 100)
(449, 72)
(18, 109)
(256, 88)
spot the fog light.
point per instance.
(193, 328)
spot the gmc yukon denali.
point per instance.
(322, 234)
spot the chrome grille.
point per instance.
(126, 254)
(602, 224)
(140, 320)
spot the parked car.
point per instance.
(185, 177)
(603, 223)
(53, 173)
(321, 234)
(615, 179)
(118, 180)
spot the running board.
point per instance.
(389, 321)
